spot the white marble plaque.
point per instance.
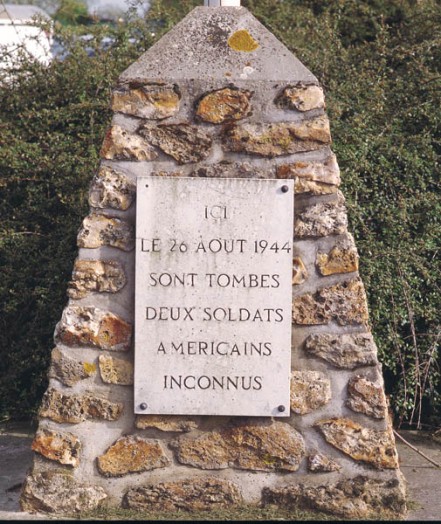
(213, 296)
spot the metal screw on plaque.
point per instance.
(285, 189)
(281, 409)
(143, 406)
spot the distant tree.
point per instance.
(73, 12)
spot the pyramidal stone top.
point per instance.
(218, 43)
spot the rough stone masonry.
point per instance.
(218, 96)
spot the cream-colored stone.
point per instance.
(132, 454)
(302, 98)
(299, 272)
(96, 276)
(342, 258)
(73, 409)
(54, 445)
(177, 423)
(111, 189)
(224, 105)
(183, 142)
(254, 446)
(68, 370)
(344, 303)
(189, 495)
(310, 390)
(90, 326)
(346, 351)
(366, 397)
(120, 144)
(101, 230)
(314, 188)
(154, 101)
(375, 447)
(115, 370)
(277, 139)
(322, 219)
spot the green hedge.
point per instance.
(379, 64)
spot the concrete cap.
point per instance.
(219, 43)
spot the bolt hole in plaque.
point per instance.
(213, 296)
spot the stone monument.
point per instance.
(215, 349)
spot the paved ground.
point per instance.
(424, 479)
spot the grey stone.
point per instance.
(96, 276)
(68, 370)
(310, 390)
(102, 230)
(111, 188)
(366, 397)
(322, 219)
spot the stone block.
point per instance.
(68, 370)
(314, 188)
(299, 272)
(57, 492)
(302, 98)
(224, 105)
(186, 495)
(115, 370)
(111, 189)
(270, 140)
(176, 423)
(374, 447)
(342, 258)
(153, 101)
(366, 397)
(310, 390)
(344, 303)
(353, 498)
(90, 326)
(96, 276)
(322, 219)
(120, 144)
(343, 351)
(255, 447)
(183, 142)
(226, 169)
(73, 409)
(131, 454)
(319, 463)
(322, 172)
(101, 230)
(54, 445)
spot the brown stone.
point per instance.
(120, 144)
(343, 258)
(113, 189)
(319, 463)
(115, 370)
(374, 447)
(90, 326)
(185, 495)
(131, 454)
(324, 172)
(62, 447)
(314, 188)
(256, 447)
(343, 351)
(101, 230)
(183, 142)
(302, 98)
(57, 492)
(344, 303)
(310, 390)
(177, 423)
(73, 409)
(96, 276)
(353, 498)
(224, 105)
(233, 170)
(68, 370)
(322, 219)
(366, 397)
(277, 139)
(154, 101)
(299, 272)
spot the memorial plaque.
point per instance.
(213, 296)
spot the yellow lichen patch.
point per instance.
(242, 41)
(89, 367)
